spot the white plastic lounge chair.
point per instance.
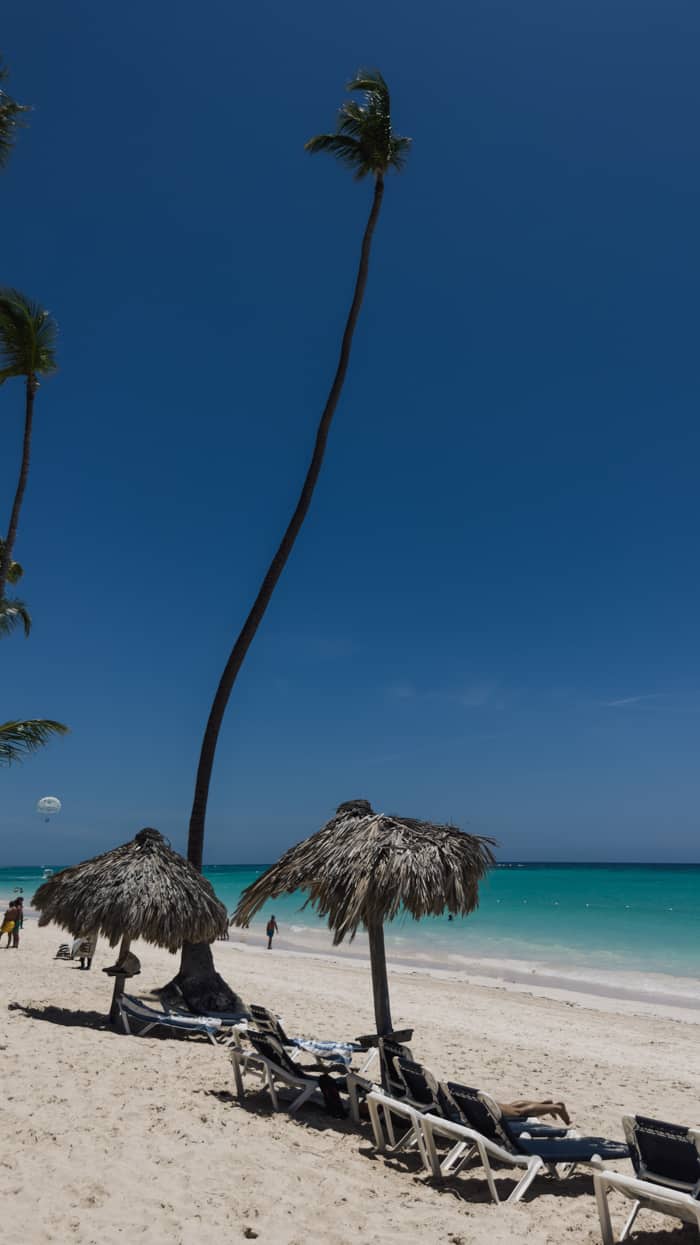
(488, 1133)
(133, 1011)
(425, 1095)
(415, 1090)
(666, 1161)
(382, 1109)
(425, 1128)
(359, 1084)
(272, 1062)
(333, 1052)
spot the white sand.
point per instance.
(109, 1139)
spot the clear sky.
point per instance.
(492, 613)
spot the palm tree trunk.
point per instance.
(6, 561)
(195, 843)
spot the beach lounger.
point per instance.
(427, 1127)
(133, 1011)
(359, 1084)
(334, 1052)
(407, 1091)
(276, 1067)
(666, 1161)
(424, 1094)
(490, 1136)
(226, 1020)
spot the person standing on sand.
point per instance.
(19, 920)
(271, 929)
(8, 922)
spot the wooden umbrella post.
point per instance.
(380, 981)
(119, 980)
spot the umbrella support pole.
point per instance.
(119, 981)
(380, 981)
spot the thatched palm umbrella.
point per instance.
(363, 868)
(140, 890)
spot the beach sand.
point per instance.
(109, 1138)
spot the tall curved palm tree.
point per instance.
(10, 114)
(27, 349)
(365, 142)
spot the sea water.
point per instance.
(639, 919)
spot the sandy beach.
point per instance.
(116, 1138)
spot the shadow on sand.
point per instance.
(469, 1187)
(63, 1016)
(310, 1117)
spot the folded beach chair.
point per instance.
(334, 1052)
(276, 1067)
(666, 1161)
(133, 1011)
(490, 1136)
(83, 949)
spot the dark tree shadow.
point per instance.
(63, 1016)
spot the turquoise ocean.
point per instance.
(638, 919)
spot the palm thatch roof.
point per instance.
(368, 867)
(143, 889)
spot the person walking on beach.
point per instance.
(271, 929)
(19, 920)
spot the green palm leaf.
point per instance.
(12, 613)
(19, 739)
(10, 122)
(28, 336)
(364, 139)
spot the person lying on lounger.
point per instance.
(531, 1106)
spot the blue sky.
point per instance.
(492, 613)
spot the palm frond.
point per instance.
(12, 614)
(28, 336)
(370, 81)
(19, 739)
(10, 119)
(364, 139)
(341, 146)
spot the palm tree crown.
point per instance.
(14, 612)
(10, 113)
(27, 337)
(364, 139)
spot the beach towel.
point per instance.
(340, 1051)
